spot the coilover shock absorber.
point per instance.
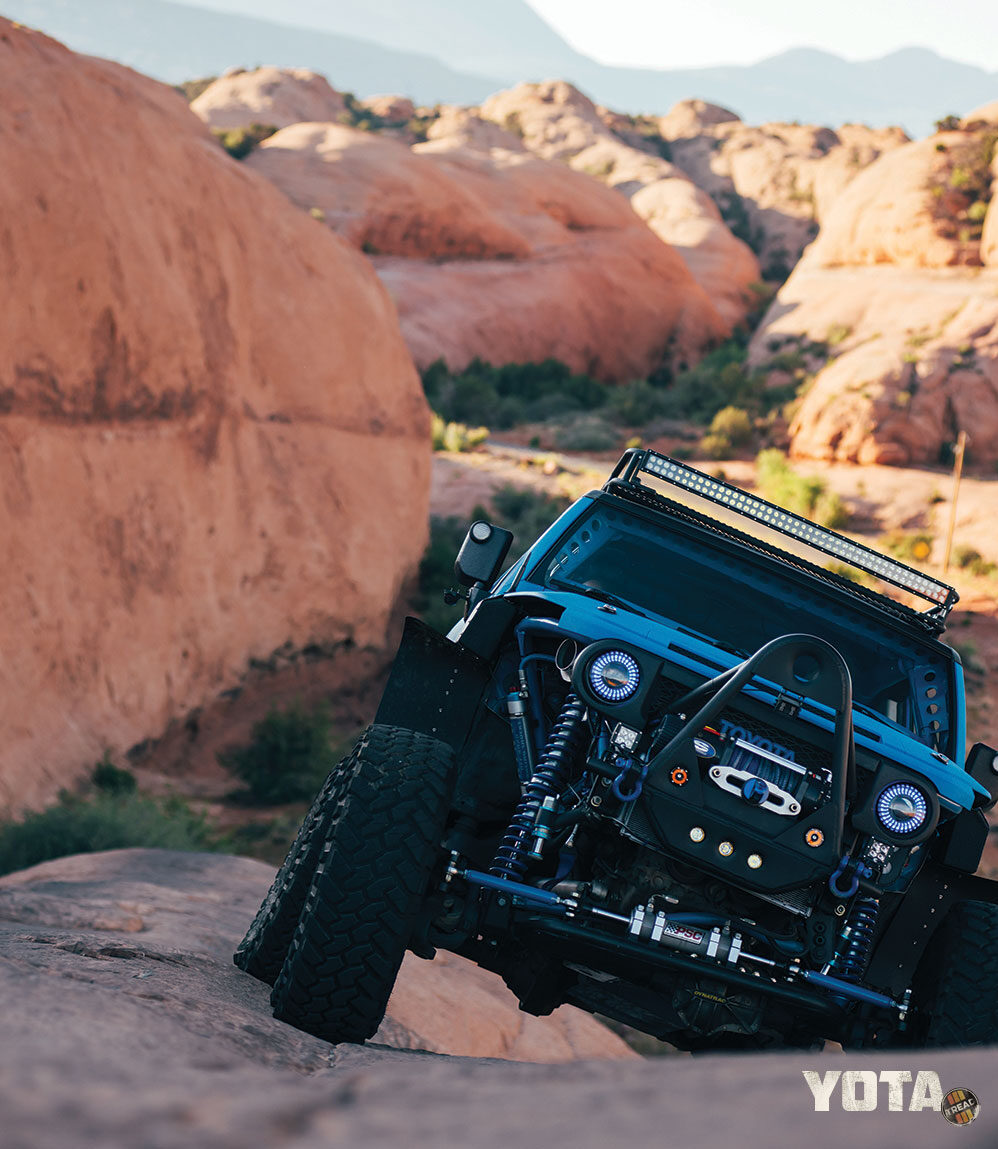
(856, 941)
(547, 782)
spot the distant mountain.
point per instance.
(504, 38)
(176, 42)
(457, 51)
(912, 87)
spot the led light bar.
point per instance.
(785, 522)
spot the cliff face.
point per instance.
(212, 438)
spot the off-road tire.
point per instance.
(265, 946)
(368, 887)
(955, 984)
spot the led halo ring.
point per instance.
(902, 808)
(614, 676)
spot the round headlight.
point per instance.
(614, 676)
(902, 808)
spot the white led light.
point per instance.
(855, 554)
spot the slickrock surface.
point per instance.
(213, 442)
(498, 254)
(124, 1023)
(170, 921)
(276, 96)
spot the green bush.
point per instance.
(290, 754)
(239, 142)
(636, 403)
(805, 495)
(191, 89)
(715, 446)
(456, 436)
(104, 822)
(110, 779)
(511, 394)
(970, 559)
(734, 423)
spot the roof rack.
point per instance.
(635, 462)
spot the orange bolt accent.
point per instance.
(814, 837)
(679, 776)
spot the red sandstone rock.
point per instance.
(496, 253)
(276, 96)
(212, 438)
(558, 122)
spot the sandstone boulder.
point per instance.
(690, 118)
(275, 96)
(558, 122)
(776, 182)
(393, 109)
(170, 921)
(911, 360)
(498, 254)
(212, 439)
(908, 209)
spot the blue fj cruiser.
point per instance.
(693, 763)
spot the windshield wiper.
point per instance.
(595, 592)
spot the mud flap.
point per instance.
(434, 687)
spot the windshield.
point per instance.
(730, 597)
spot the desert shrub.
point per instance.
(715, 446)
(734, 423)
(456, 436)
(290, 753)
(79, 825)
(948, 123)
(111, 779)
(586, 433)
(511, 394)
(239, 142)
(636, 403)
(191, 89)
(722, 379)
(970, 559)
(805, 495)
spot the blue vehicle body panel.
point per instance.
(582, 617)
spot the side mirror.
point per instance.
(982, 766)
(482, 554)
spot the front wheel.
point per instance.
(368, 887)
(956, 980)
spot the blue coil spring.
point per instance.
(548, 781)
(853, 954)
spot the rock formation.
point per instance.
(212, 438)
(494, 253)
(171, 921)
(776, 182)
(273, 96)
(557, 122)
(895, 285)
(124, 1023)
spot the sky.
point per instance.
(699, 33)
